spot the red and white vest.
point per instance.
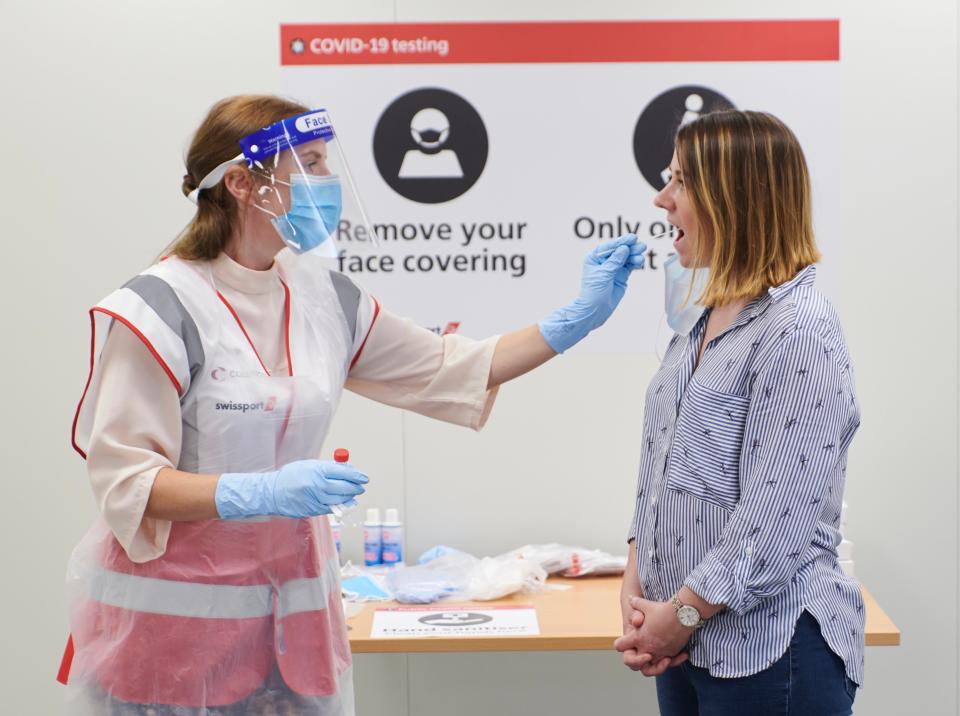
(204, 624)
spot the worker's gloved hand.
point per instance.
(604, 281)
(298, 489)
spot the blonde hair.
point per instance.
(747, 181)
(215, 141)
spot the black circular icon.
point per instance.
(430, 145)
(659, 122)
(455, 619)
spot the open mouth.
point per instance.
(679, 237)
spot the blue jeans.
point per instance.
(809, 680)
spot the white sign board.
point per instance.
(492, 157)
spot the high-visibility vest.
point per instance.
(203, 624)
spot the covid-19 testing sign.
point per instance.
(491, 157)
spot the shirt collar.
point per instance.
(805, 277)
(774, 294)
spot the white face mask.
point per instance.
(683, 286)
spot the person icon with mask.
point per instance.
(694, 106)
(430, 129)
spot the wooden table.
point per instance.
(585, 617)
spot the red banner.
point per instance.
(551, 42)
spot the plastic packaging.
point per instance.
(462, 576)
(424, 584)
(372, 538)
(392, 538)
(571, 561)
(434, 552)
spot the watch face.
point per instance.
(688, 616)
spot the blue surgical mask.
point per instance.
(315, 204)
(683, 288)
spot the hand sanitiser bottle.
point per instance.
(392, 535)
(372, 538)
(337, 512)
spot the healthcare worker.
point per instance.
(211, 584)
(733, 596)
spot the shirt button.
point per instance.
(650, 554)
(653, 500)
(749, 551)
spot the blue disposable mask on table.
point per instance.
(683, 287)
(315, 205)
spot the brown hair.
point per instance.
(748, 184)
(215, 141)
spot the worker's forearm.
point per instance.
(518, 353)
(182, 496)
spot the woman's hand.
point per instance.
(633, 640)
(658, 639)
(602, 286)
(605, 273)
(305, 488)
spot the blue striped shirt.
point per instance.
(741, 481)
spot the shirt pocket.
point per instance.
(705, 459)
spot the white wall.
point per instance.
(99, 102)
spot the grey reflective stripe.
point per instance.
(190, 437)
(183, 599)
(309, 594)
(160, 296)
(215, 601)
(349, 295)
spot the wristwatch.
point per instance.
(689, 616)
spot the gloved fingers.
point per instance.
(344, 471)
(617, 259)
(604, 250)
(342, 488)
(328, 501)
(621, 277)
(638, 256)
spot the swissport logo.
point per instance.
(261, 406)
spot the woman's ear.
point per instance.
(239, 183)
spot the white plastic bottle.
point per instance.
(372, 538)
(392, 538)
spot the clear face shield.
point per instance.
(303, 182)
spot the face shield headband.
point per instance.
(301, 168)
(270, 141)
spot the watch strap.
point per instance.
(678, 605)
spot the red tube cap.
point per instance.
(341, 455)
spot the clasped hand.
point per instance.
(653, 638)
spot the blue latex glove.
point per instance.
(298, 489)
(604, 281)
